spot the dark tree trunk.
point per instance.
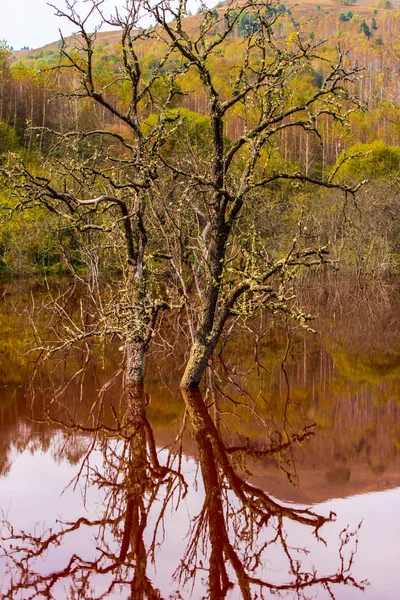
(135, 362)
(136, 334)
(207, 334)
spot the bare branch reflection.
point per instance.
(131, 479)
(240, 522)
(234, 535)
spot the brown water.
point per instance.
(144, 494)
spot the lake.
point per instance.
(286, 485)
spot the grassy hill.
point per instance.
(309, 12)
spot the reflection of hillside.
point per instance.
(355, 453)
(128, 494)
(20, 433)
(345, 379)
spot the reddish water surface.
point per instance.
(287, 486)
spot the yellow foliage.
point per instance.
(292, 38)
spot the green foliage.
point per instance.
(247, 24)
(190, 128)
(346, 16)
(385, 4)
(9, 140)
(365, 29)
(375, 161)
(27, 245)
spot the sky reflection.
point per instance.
(36, 493)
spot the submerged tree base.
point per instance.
(196, 365)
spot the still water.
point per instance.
(287, 486)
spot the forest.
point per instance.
(37, 97)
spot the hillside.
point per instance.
(368, 34)
(303, 11)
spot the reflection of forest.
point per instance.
(346, 379)
(236, 530)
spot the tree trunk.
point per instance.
(135, 362)
(136, 511)
(221, 552)
(196, 364)
(135, 344)
(206, 337)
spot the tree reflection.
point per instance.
(235, 515)
(229, 539)
(131, 479)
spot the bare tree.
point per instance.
(223, 258)
(94, 182)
